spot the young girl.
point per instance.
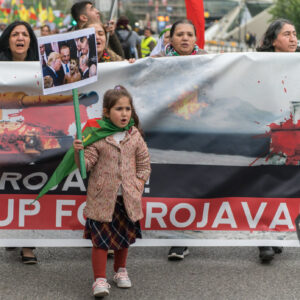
(119, 166)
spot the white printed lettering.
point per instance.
(203, 222)
(37, 186)
(189, 221)
(27, 212)
(10, 214)
(78, 183)
(80, 217)
(12, 178)
(60, 213)
(158, 216)
(287, 218)
(253, 222)
(225, 207)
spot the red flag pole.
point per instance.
(195, 13)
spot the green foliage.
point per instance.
(287, 9)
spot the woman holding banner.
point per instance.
(280, 36)
(183, 39)
(18, 43)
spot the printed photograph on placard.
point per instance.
(68, 60)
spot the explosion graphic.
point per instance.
(187, 105)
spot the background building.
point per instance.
(249, 18)
(150, 12)
(227, 22)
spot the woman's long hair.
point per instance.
(271, 35)
(32, 52)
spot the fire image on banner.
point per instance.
(33, 134)
(223, 145)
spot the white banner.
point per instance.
(223, 133)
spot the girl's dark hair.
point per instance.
(271, 35)
(181, 22)
(32, 52)
(111, 97)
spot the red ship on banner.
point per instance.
(285, 139)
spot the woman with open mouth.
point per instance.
(104, 54)
(18, 43)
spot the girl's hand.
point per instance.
(78, 145)
(141, 181)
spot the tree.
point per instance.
(287, 9)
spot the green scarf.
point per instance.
(94, 130)
(170, 50)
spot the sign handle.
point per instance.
(78, 130)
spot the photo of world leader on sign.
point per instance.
(68, 60)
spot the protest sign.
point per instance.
(68, 60)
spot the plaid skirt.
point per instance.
(115, 235)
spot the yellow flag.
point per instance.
(50, 15)
(24, 13)
(40, 6)
(43, 16)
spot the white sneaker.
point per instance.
(121, 278)
(101, 287)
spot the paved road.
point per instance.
(207, 273)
